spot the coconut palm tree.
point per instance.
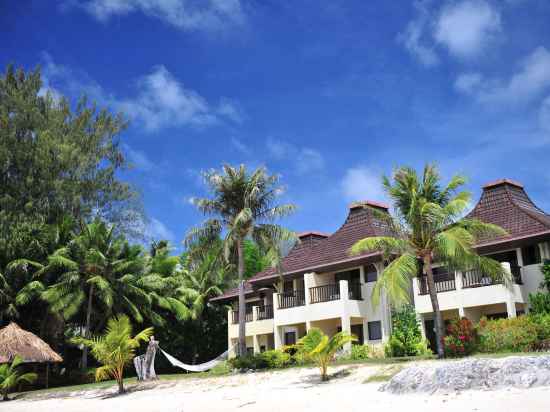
(99, 269)
(10, 376)
(242, 206)
(429, 228)
(322, 349)
(115, 349)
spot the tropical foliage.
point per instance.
(10, 376)
(406, 338)
(461, 338)
(540, 301)
(321, 349)
(243, 206)
(115, 349)
(429, 227)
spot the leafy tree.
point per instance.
(406, 338)
(322, 349)
(429, 228)
(243, 206)
(255, 260)
(115, 349)
(57, 159)
(10, 376)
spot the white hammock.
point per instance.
(197, 368)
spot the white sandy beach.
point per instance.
(288, 390)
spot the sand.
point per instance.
(296, 389)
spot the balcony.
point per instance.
(475, 278)
(330, 292)
(444, 282)
(264, 312)
(248, 317)
(291, 299)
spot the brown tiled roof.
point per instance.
(505, 203)
(316, 251)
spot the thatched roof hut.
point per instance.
(16, 341)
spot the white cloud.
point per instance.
(158, 230)
(139, 159)
(544, 115)
(240, 146)
(467, 82)
(468, 27)
(361, 183)
(231, 110)
(163, 101)
(413, 38)
(160, 99)
(304, 159)
(186, 15)
(530, 81)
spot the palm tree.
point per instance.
(10, 376)
(99, 267)
(322, 349)
(429, 228)
(242, 206)
(115, 349)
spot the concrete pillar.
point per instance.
(420, 320)
(346, 327)
(461, 313)
(256, 343)
(308, 283)
(519, 257)
(511, 309)
(365, 330)
(278, 336)
(345, 318)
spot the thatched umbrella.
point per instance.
(16, 341)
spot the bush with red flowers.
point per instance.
(461, 338)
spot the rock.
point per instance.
(515, 371)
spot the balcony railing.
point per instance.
(248, 317)
(476, 278)
(264, 312)
(354, 291)
(324, 293)
(444, 282)
(291, 299)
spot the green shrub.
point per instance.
(406, 336)
(461, 338)
(359, 352)
(542, 323)
(276, 358)
(519, 334)
(540, 302)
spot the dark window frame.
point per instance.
(371, 330)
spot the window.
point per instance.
(262, 348)
(290, 338)
(371, 275)
(530, 255)
(250, 351)
(375, 330)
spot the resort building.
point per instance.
(322, 285)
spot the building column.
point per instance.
(420, 320)
(278, 336)
(256, 343)
(461, 313)
(511, 308)
(345, 320)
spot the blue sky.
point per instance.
(329, 94)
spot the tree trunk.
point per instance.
(242, 304)
(439, 326)
(87, 332)
(120, 382)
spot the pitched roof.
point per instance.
(16, 341)
(317, 251)
(505, 203)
